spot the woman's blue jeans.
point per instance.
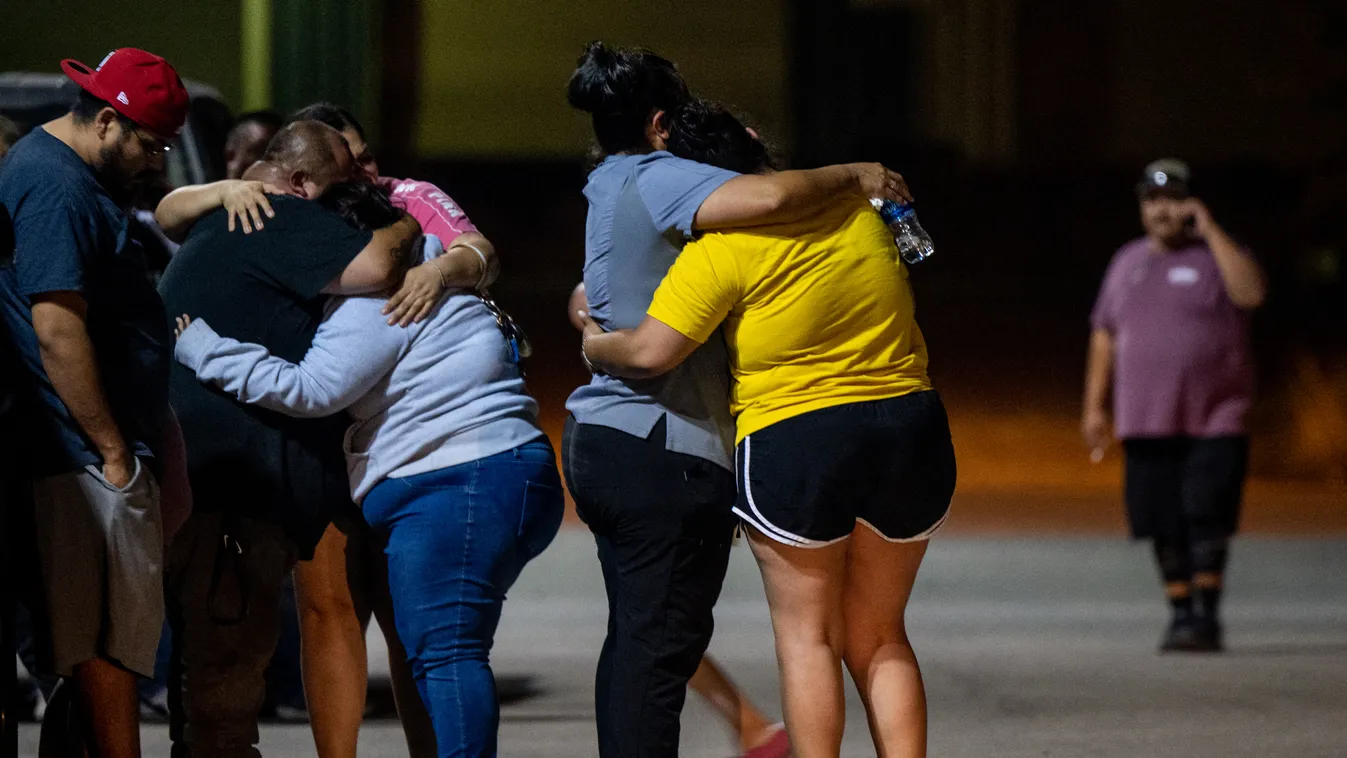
(457, 539)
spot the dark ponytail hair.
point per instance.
(707, 132)
(360, 204)
(620, 88)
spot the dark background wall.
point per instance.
(202, 39)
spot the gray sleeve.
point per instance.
(673, 189)
(353, 349)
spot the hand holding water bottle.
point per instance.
(878, 181)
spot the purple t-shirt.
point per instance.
(1183, 365)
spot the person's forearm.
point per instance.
(1099, 372)
(69, 360)
(620, 353)
(402, 238)
(382, 263)
(775, 198)
(186, 205)
(1241, 274)
(461, 266)
(350, 354)
(472, 243)
(252, 375)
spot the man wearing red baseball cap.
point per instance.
(92, 346)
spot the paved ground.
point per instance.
(1031, 647)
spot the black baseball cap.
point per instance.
(1167, 176)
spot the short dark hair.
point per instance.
(334, 116)
(87, 107)
(709, 133)
(361, 204)
(620, 88)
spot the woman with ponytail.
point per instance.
(650, 462)
(845, 463)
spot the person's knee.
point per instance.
(808, 635)
(866, 635)
(326, 610)
(324, 602)
(439, 649)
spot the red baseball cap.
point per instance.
(139, 85)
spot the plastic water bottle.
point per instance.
(914, 244)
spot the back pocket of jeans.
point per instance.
(540, 518)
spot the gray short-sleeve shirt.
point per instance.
(641, 209)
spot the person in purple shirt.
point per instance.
(1170, 344)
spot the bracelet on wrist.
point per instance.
(584, 356)
(444, 281)
(486, 267)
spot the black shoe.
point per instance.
(1208, 635)
(1181, 636)
(1192, 635)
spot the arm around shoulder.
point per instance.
(381, 263)
(760, 199)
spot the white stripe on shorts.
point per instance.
(760, 521)
(926, 535)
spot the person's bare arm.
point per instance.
(460, 266)
(468, 262)
(246, 202)
(1241, 274)
(759, 199)
(649, 350)
(69, 360)
(382, 263)
(1096, 421)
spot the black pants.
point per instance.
(663, 526)
(224, 582)
(1185, 487)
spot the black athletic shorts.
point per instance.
(1185, 487)
(887, 464)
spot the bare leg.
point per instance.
(804, 592)
(878, 654)
(109, 708)
(751, 727)
(332, 621)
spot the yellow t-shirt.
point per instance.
(817, 313)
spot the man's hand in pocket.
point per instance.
(118, 471)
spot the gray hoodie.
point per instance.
(436, 394)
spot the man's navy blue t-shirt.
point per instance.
(70, 236)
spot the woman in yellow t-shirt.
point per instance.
(844, 459)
